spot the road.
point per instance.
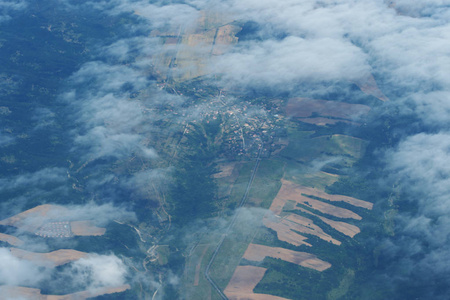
(219, 245)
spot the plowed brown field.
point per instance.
(244, 280)
(10, 239)
(256, 252)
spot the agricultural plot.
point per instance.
(12, 240)
(369, 86)
(52, 221)
(259, 252)
(15, 292)
(322, 112)
(304, 149)
(187, 51)
(86, 228)
(55, 258)
(345, 228)
(244, 280)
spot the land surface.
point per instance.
(256, 252)
(244, 280)
(55, 258)
(10, 239)
(13, 292)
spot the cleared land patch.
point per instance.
(56, 258)
(307, 226)
(345, 228)
(12, 240)
(41, 221)
(330, 197)
(17, 292)
(259, 252)
(86, 228)
(288, 228)
(303, 148)
(186, 52)
(242, 283)
(306, 107)
(369, 86)
(292, 191)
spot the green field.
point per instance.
(305, 149)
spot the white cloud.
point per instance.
(97, 271)
(10, 6)
(14, 271)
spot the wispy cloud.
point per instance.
(7, 7)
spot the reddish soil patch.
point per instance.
(256, 252)
(244, 280)
(369, 86)
(225, 38)
(10, 239)
(284, 232)
(17, 292)
(34, 218)
(347, 229)
(86, 228)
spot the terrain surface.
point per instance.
(133, 167)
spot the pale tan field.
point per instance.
(284, 227)
(244, 280)
(369, 86)
(330, 197)
(327, 208)
(256, 252)
(292, 191)
(12, 240)
(33, 218)
(16, 292)
(55, 258)
(225, 38)
(225, 170)
(284, 232)
(345, 228)
(86, 228)
(305, 225)
(187, 51)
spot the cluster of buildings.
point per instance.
(55, 229)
